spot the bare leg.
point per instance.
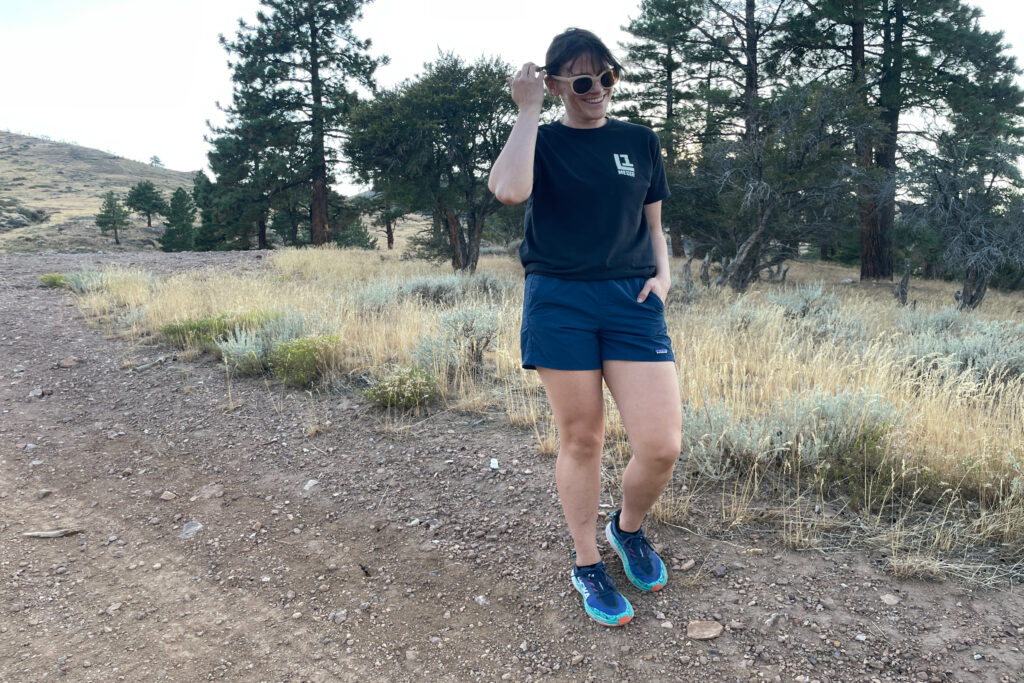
(578, 405)
(647, 395)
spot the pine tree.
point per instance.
(428, 145)
(144, 198)
(112, 216)
(181, 216)
(301, 56)
(903, 56)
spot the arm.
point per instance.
(662, 280)
(511, 178)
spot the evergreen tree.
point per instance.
(112, 216)
(181, 215)
(903, 56)
(428, 145)
(302, 56)
(144, 198)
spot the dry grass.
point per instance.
(944, 464)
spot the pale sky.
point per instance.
(141, 77)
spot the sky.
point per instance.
(141, 78)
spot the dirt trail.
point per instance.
(371, 550)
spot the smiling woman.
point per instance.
(597, 278)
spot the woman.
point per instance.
(597, 275)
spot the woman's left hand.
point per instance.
(659, 286)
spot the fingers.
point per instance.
(642, 297)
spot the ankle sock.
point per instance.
(619, 528)
(587, 566)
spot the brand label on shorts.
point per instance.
(661, 351)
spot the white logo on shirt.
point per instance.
(624, 165)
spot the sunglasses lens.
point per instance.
(581, 86)
(609, 78)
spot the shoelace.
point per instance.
(636, 544)
(598, 582)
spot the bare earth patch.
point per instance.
(338, 544)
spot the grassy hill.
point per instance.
(59, 188)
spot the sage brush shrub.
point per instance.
(449, 290)
(465, 335)
(83, 281)
(813, 429)
(406, 388)
(301, 362)
(805, 300)
(244, 352)
(376, 297)
(946, 346)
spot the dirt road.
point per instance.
(336, 544)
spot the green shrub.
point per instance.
(53, 280)
(301, 362)
(207, 332)
(406, 388)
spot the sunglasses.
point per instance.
(582, 84)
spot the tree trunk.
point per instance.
(318, 156)
(973, 292)
(455, 238)
(261, 230)
(389, 230)
(750, 86)
(149, 220)
(116, 241)
(877, 222)
(476, 233)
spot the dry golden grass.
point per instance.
(953, 452)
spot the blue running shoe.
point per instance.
(643, 566)
(601, 599)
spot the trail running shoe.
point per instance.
(601, 599)
(643, 566)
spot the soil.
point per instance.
(340, 544)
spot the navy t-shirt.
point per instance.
(585, 217)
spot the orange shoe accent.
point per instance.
(657, 587)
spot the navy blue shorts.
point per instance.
(578, 324)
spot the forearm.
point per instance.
(511, 178)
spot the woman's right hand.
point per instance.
(527, 87)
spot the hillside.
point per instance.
(63, 185)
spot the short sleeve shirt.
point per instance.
(585, 218)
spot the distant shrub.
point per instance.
(205, 333)
(301, 362)
(805, 300)
(83, 281)
(948, 342)
(406, 388)
(53, 280)
(445, 290)
(376, 297)
(448, 290)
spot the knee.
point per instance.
(661, 451)
(581, 444)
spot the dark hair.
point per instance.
(574, 43)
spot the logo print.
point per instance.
(624, 165)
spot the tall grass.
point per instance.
(794, 397)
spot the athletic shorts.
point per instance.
(579, 324)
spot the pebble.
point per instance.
(167, 495)
(688, 565)
(576, 659)
(666, 624)
(68, 362)
(482, 600)
(703, 630)
(720, 571)
(43, 493)
(890, 599)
